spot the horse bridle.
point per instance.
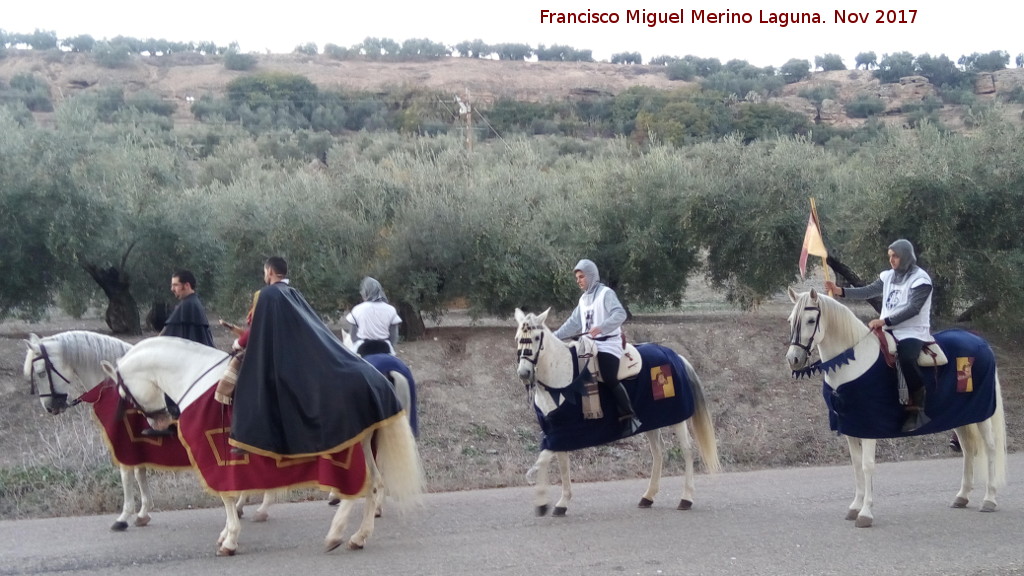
(527, 354)
(44, 357)
(795, 337)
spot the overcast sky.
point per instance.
(950, 28)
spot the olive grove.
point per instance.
(100, 214)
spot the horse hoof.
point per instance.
(542, 510)
(119, 526)
(988, 506)
(142, 521)
(260, 517)
(334, 501)
(852, 514)
(559, 512)
(960, 502)
(685, 504)
(225, 552)
(645, 503)
(863, 522)
(354, 546)
(331, 545)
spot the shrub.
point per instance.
(234, 60)
(110, 55)
(865, 106)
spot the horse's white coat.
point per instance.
(185, 370)
(836, 329)
(544, 358)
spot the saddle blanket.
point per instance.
(123, 435)
(961, 392)
(204, 428)
(385, 364)
(661, 396)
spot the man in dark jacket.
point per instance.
(188, 320)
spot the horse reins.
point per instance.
(129, 396)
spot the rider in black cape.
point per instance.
(300, 391)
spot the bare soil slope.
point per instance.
(182, 76)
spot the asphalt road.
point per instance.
(779, 522)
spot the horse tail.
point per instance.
(998, 422)
(702, 423)
(399, 462)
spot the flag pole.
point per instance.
(824, 260)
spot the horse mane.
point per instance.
(83, 349)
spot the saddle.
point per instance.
(629, 364)
(931, 354)
(629, 368)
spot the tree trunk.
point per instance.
(122, 315)
(412, 327)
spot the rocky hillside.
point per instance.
(186, 76)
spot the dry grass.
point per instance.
(477, 427)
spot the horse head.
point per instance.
(45, 373)
(806, 330)
(139, 387)
(529, 343)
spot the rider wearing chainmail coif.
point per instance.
(600, 315)
(906, 293)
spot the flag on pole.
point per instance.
(813, 244)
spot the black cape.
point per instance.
(188, 321)
(300, 391)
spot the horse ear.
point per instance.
(814, 295)
(793, 295)
(543, 316)
(109, 369)
(520, 317)
(33, 342)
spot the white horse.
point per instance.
(546, 364)
(70, 363)
(851, 355)
(185, 371)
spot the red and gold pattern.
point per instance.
(204, 428)
(123, 436)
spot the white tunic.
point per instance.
(593, 314)
(374, 321)
(895, 296)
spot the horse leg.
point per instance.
(146, 499)
(538, 476)
(683, 437)
(563, 471)
(657, 462)
(988, 442)
(128, 503)
(333, 539)
(333, 499)
(865, 518)
(372, 503)
(228, 540)
(263, 512)
(857, 455)
(968, 436)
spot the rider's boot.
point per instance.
(916, 417)
(630, 423)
